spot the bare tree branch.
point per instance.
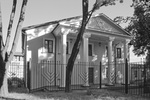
(1, 34)
(18, 29)
(10, 26)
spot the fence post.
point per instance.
(100, 75)
(144, 77)
(126, 76)
(55, 71)
(28, 76)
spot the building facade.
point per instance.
(103, 41)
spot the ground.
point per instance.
(99, 94)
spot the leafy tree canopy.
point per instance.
(139, 26)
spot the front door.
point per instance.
(91, 75)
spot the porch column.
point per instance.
(126, 50)
(110, 65)
(126, 56)
(86, 55)
(64, 33)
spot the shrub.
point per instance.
(15, 81)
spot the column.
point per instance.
(86, 56)
(110, 64)
(126, 49)
(64, 33)
(126, 56)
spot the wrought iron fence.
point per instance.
(50, 76)
(15, 75)
(130, 78)
(140, 79)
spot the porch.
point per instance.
(96, 46)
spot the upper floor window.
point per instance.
(106, 52)
(90, 50)
(49, 45)
(118, 52)
(67, 48)
(135, 73)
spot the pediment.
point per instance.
(104, 25)
(99, 23)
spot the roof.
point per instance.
(49, 23)
(17, 53)
(72, 19)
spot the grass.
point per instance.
(102, 94)
(99, 94)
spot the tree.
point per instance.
(85, 18)
(139, 27)
(5, 58)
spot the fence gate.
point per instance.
(91, 75)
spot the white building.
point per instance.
(103, 41)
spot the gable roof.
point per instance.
(115, 23)
(76, 22)
(72, 21)
(49, 23)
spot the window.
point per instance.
(106, 51)
(90, 50)
(135, 73)
(67, 48)
(49, 45)
(118, 52)
(142, 73)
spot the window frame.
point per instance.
(92, 53)
(118, 52)
(67, 47)
(47, 49)
(106, 52)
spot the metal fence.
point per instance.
(140, 79)
(129, 78)
(16, 75)
(49, 76)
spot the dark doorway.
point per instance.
(91, 75)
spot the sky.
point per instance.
(41, 11)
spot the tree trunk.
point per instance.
(76, 47)
(3, 65)
(86, 17)
(2, 70)
(4, 59)
(12, 15)
(4, 87)
(3, 75)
